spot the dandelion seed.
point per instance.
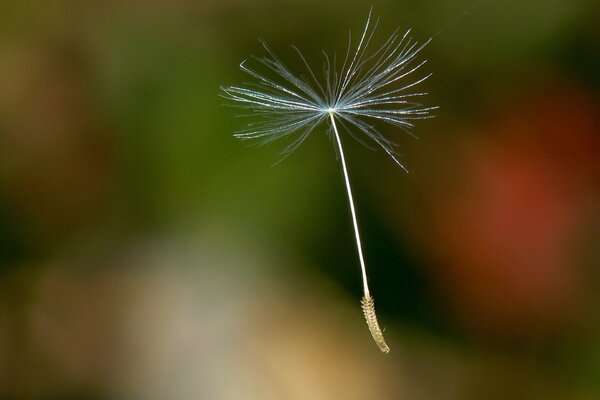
(369, 87)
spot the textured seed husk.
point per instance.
(368, 307)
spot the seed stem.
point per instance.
(351, 201)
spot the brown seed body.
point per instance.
(368, 306)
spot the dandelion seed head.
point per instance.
(364, 89)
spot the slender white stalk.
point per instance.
(351, 201)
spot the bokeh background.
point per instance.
(147, 254)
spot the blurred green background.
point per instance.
(147, 254)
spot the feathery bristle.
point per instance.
(372, 86)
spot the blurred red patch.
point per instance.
(511, 239)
